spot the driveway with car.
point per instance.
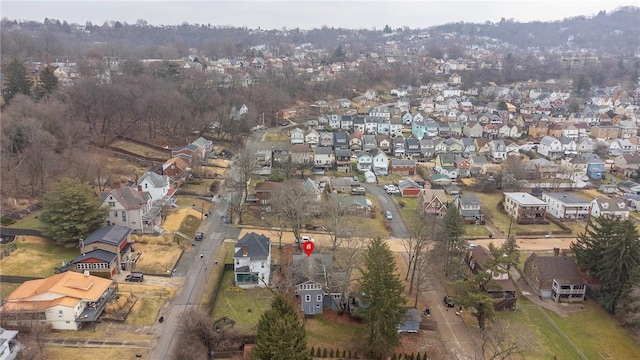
(398, 228)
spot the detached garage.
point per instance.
(409, 188)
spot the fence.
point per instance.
(4, 231)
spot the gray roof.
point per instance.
(129, 197)
(592, 158)
(566, 198)
(411, 320)
(556, 267)
(468, 199)
(343, 181)
(317, 268)
(102, 255)
(258, 246)
(323, 150)
(611, 204)
(112, 235)
(155, 179)
(402, 162)
(343, 152)
(479, 160)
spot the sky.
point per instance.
(308, 14)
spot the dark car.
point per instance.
(199, 236)
(448, 301)
(135, 277)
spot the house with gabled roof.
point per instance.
(445, 165)
(323, 157)
(343, 160)
(132, 208)
(478, 165)
(482, 146)
(177, 169)
(318, 285)
(64, 301)
(432, 202)
(555, 277)
(252, 261)
(609, 207)
(157, 186)
(379, 162)
(469, 207)
(409, 188)
(500, 287)
(384, 143)
(626, 164)
(106, 250)
(189, 153)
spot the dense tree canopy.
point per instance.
(382, 298)
(455, 244)
(71, 211)
(609, 250)
(281, 334)
(16, 80)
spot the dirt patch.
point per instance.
(174, 219)
(424, 341)
(221, 163)
(157, 258)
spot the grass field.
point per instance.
(475, 231)
(157, 259)
(150, 301)
(70, 353)
(276, 137)
(408, 210)
(35, 257)
(323, 332)
(30, 221)
(244, 306)
(141, 149)
(593, 331)
(7, 288)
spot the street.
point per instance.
(398, 227)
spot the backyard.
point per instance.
(150, 301)
(36, 257)
(141, 149)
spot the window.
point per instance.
(262, 264)
(319, 297)
(146, 185)
(124, 216)
(112, 203)
(60, 313)
(307, 298)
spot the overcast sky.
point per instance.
(270, 14)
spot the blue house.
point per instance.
(318, 285)
(595, 166)
(418, 129)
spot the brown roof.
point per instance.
(556, 267)
(268, 186)
(481, 255)
(300, 148)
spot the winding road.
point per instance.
(398, 227)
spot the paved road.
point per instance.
(398, 227)
(196, 269)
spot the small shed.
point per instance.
(411, 321)
(370, 177)
(608, 189)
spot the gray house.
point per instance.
(317, 284)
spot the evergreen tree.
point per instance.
(71, 211)
(281, 334)
(48, 83)
(510, 253)
(628, 308)
(382, 298)
(609, 250)
(455, 244)
(16, 80)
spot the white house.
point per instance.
(252, 261)
(498, 150)
(156, 185)
(312, 138)
(64, 301)
(322, 157)
(297, 136)
(380, 162)
(131, 208)
(365, 160)
(565, 206)
(9, 346)
(610, 207)
(550, 147)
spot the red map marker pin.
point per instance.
(308, 247)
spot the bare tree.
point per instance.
(295, 204)
(502, 340)
(416, 246)
(238, 179)
(336, 221)
(197, 336)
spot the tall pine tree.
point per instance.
(71, 211)
(16, 80)
(455, 244)
(281, 334)
(382, 298)
(48, 83)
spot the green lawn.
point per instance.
(189, 226)
(593, 331)
(323, 332)
(31, 222)
(244, 306)
(475, 231)
(7, 288)
(276, 137)
(408, 211)
(145, 311)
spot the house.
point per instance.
(384, 143)
(369, 142)
(500, 287)
(403, 167)
(188, 153)
(300, 154)
(355, 142)
(629, 187)
(432, 202)
(364, 161)
(609, 207)
(454, 146)
(317, 284)
(563, 206)
(107, 250)
(322, 157)
(380, 162)
(463, 166)
(252, 261)
(297, 136)
(550, 147)
(343, 160)
(525, 208)
(595, 166)
(412, 147)
(132, 208)
(468, 146)
(478, 165)
(177, 169)
(65, 301)
(9, 345)
(354, 204)
(445, 165)
(482, 146)
(427, 148)
(156, 185)
(409, 188)
(265, 191)
(312, 138)
(621, 146)
(340, 140)
(312, 188)
(469, 207)
(608, 189)
(341, 185)
(398, 146)
(326, 139)
(203, 145)
(555, 277)
(626, 164)
(498, 150)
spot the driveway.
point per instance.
(398, 227)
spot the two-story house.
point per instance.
(323, 157)
(355, 142)
(620, 147)
(472, 130)
(297, 136)
(478, 165)
(500, 286)
(595, 166)
(384, 143)
(157, 186)
(412, 147)
(555, 277)
(498, 151)
(445, 165)
(626, 164)
(364, 161)
(252, 261)
(343, 160)
(132, 208)
(563, 206)
(432, 202)
(469, 207)
(550, 147)
(525, 208)
(312, 138)
(300, 154)
(340, 140)
(326, 139)
(107, 250)
(318, 285)
(379, 162)
(609, 207)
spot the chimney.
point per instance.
(245, 250)
(140, 188)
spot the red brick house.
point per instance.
(403, 167)
(264, 192)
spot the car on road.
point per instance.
(134, 277)
(284, 123)
(199, 236)
(387, 187)
(304, 239)
(448, 302)
(355, 178)
(393, 191)
(388, 215)
(358, 190)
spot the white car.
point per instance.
(393, 191)
(304, 239)
(388, 215)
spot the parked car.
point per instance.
(199, 236)
(284, 123)
(448, 301)
(135, 277)
(304, 239)
(358, 190)
(393, 191)
(388, 215)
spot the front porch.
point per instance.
(93, 310)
